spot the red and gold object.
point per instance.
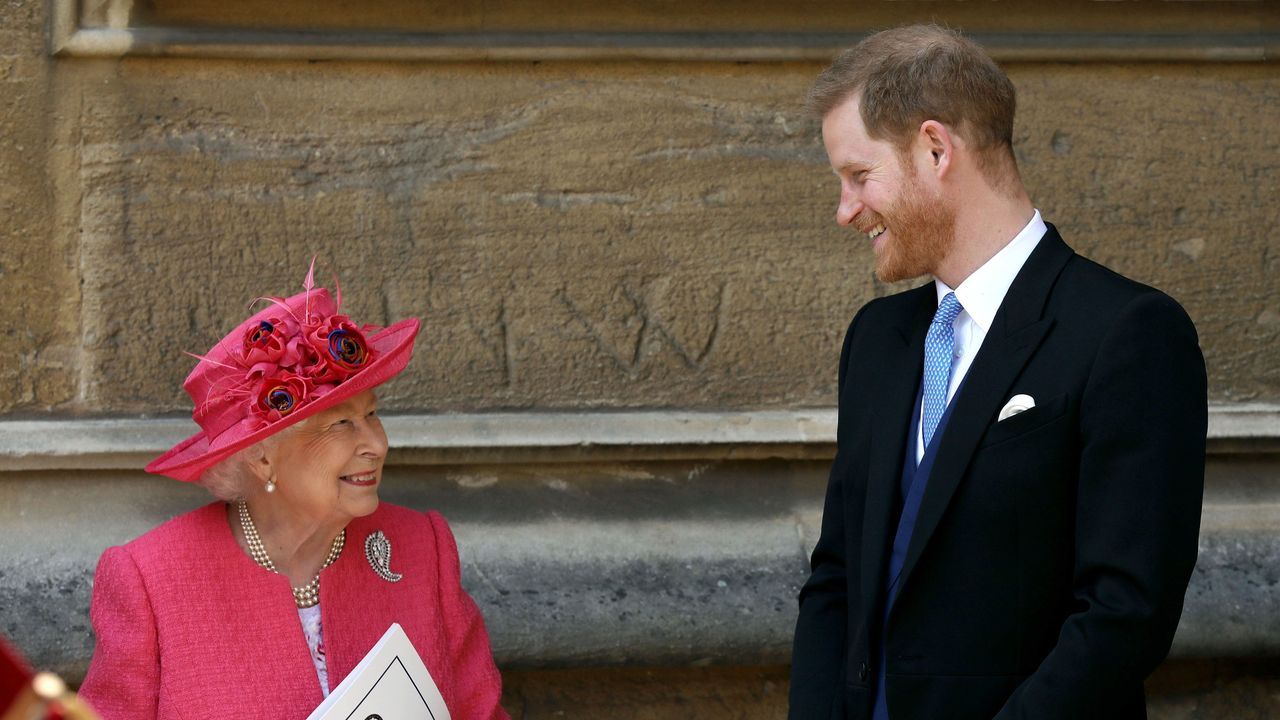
(29, 695)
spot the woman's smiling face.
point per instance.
(329, 467)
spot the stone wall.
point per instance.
(606, 235)
(593, 241)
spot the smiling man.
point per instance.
(1012, 515)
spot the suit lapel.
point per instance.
(1015, 333)
(901, 362)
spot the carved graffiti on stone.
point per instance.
(497, 337)
(651, 324)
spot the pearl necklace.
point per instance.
(306, 596)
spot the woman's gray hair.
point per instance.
(231, 479)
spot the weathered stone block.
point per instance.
(1165, 174)
(1215, 690)
(609, 564)
(571, 235)
(38, 338)
(1179, 690)
(618, 235)
(705, 16)
(675, 693)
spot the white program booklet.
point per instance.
(390, 683)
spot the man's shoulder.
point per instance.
(1086, 275)
(894, 309)
(1094, 292)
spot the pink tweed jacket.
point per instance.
(188, 626)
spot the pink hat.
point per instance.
(286, 363)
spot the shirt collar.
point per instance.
(982, 292)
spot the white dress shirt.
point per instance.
(980, 295)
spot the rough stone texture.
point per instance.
(706, 15)
(1161, 173)
(38, 357)
(1231, 608)
(617, 235)
(676, 693)
(1215, 690)
(530, 214)
(603, 564)
(54, 528)
(1179, 690)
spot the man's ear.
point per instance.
(938, 143)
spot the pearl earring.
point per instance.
(270, 486)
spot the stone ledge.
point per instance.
(624, 564)
(725, 608)
(659, 593)
(501, 438)
(598, 46)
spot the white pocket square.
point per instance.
(1016, 404)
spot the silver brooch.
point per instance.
(377, 548)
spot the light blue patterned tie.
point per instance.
(939, 351)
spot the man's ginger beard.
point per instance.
(921, 231)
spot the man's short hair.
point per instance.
(911, 74)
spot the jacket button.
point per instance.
(863, 671)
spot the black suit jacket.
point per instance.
(1047, 569)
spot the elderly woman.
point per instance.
(259, 604)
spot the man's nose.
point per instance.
(848, 209)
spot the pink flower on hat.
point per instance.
(279, 395)
(340, 349)
(293, 363)
(265, 341)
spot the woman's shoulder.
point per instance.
(426, 531)
(408, 518)
(168, 560)
(189, 532)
